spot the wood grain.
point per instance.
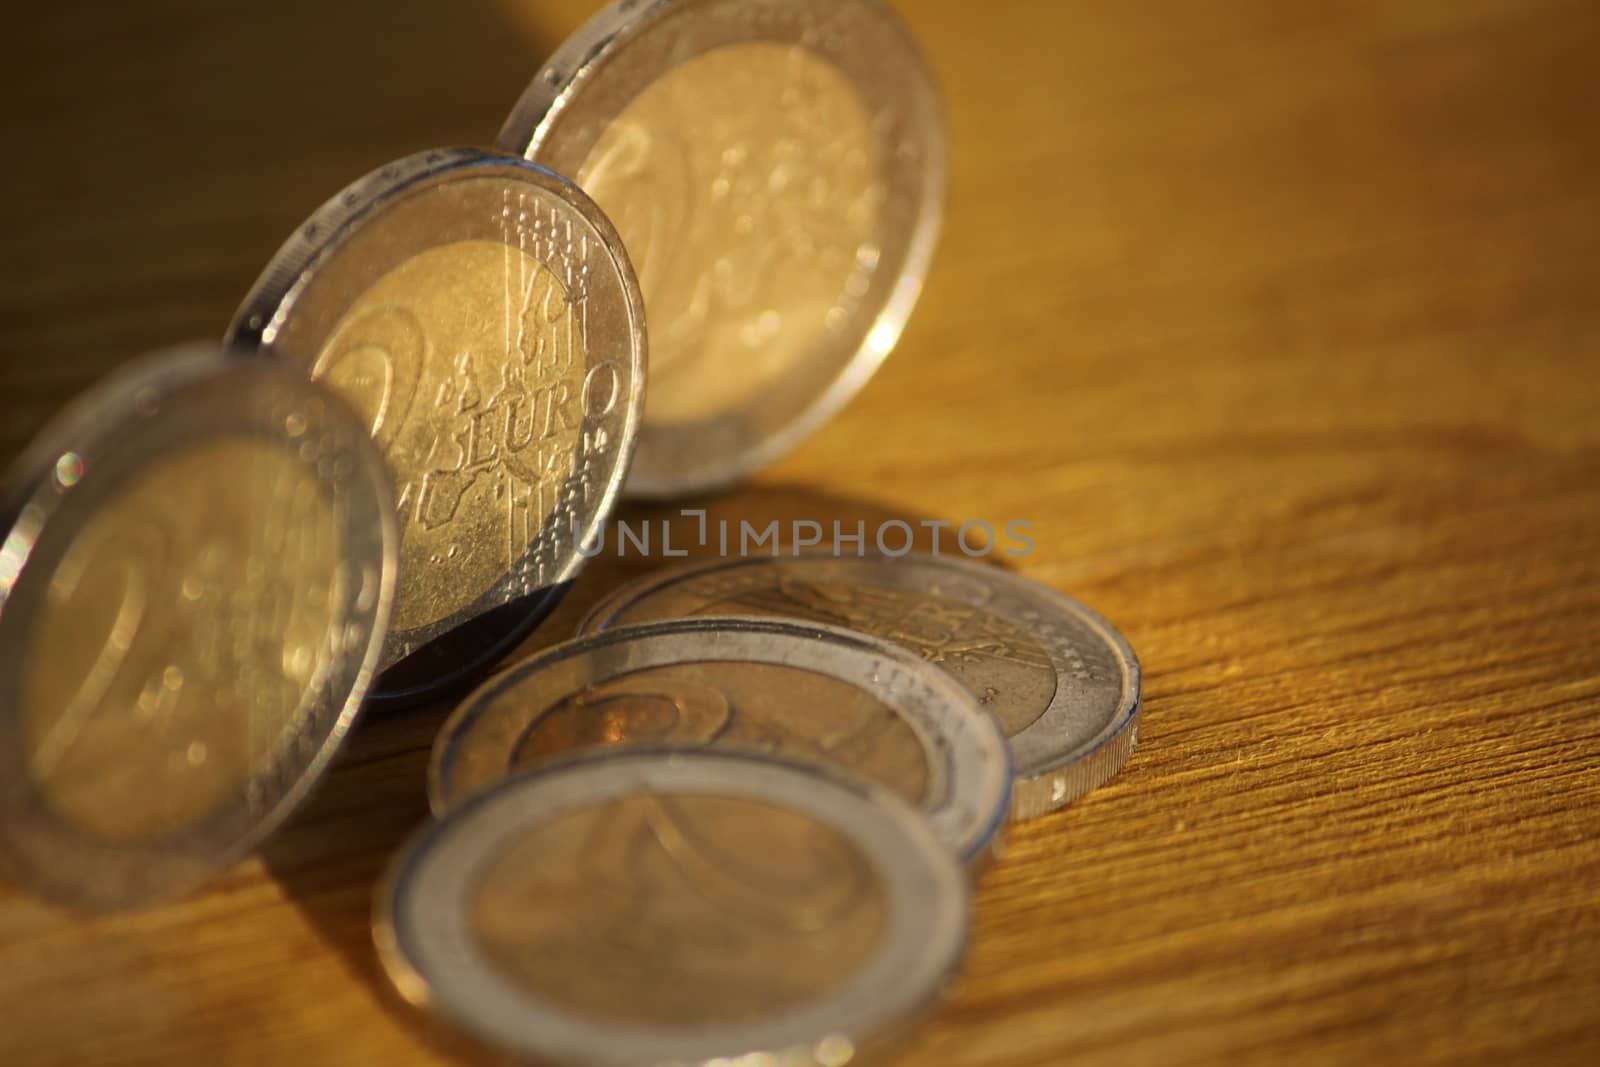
(1279, 322)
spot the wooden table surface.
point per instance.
(1279, 321)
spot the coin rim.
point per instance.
(976, 802)
(98, 421)
(581, 58)
(320, 239)
(1046, 781)
(931, 909)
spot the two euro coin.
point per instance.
(777, 171)
(640, 907)
(193, 594)
(481, 315)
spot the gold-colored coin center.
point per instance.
(745, 186)
(680, 911)
(753, 705)
(179, 639)
(467, 362)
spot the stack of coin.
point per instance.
(947, 693)
(734, 820)
(763, 684)
(1060, 681)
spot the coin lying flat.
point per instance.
(481, 315)
(777, 171)
(757, 684)
(193, 595)
(648, 907)
(1062, 683)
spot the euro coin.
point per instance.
(777, 170)
(640, 908)
(481, 315)
(193, 593)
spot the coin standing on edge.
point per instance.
(641, 907)
(480, 313)
(802, 691)
(193, 593)
(1060, 680)
(777, 170)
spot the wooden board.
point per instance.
(1280, 322)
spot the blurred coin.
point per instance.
(765, 684)
(1060, 680)
(647, 907)
(777, 170)
(193, 596)
(480, 314)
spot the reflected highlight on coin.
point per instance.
(777, 172)
(754, 685)
(1062, 683)
(481, 315)
(190, 620)
(649, 906)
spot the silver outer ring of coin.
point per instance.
(969, 765)
(1074, 747)
(136, 413)
(674, 462)
(421, 920)
(535, 587)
